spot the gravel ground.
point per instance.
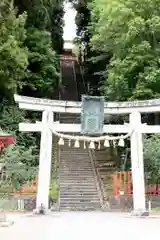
(81, 225)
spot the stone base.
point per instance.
(2, 217)
(40, 211)
(120, 203)
(140, 213)
(6, 223)
(54, 207)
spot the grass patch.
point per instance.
(155, 209)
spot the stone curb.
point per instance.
(140, 214)
(6, 223)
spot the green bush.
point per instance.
(54, 191)
(152, 158)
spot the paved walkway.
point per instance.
(81, 226)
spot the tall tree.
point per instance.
(93, 65)
(43, 44)
(42, 77)
(28, 65)
(45, 14)
(129, 30)
(13, 53)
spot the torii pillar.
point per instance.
(137, 165)
(42, 203)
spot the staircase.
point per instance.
(105, 167)
(78, 183)
(79, 188)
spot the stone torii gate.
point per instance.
(49, 107)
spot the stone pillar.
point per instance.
(45, 163)
(137, 165)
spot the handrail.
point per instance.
(97, 177)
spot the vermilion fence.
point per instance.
(29, 188)
(122, 185)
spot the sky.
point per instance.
(69, 19)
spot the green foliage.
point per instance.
(92, 65)
(13, 55)
(43, 75)
(43, 42)
(30, 38)
(152, 158)
(45, 15)
(10, 117)
(54, 191)
(17, 162)
(128, 31)
(56, 12)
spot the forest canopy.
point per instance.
(121, 46)
(30, 42)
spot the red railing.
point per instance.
(122, 185)
(152, 190)
(29, 188)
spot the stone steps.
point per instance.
(77, 193)
(74, 188)
(78, 166)
(80, 171)
(105, 165)
(83, 196)
(72, 198)
(74, 176)
(79, 183)
(78, 186)
(79, 202)
(80, 207)
(74, 179)
(78, 190)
